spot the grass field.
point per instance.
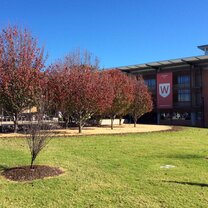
(113, 171)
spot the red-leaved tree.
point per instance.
(58, 89)
(88, 94)
(77, 88)
(142, 102)
(21, 61)
(122, 87)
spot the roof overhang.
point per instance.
(194, 60)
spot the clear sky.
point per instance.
(119, 32)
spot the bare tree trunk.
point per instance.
(135, 121)
(32, 150)
(80, 122)
(32, 161)
(67, 123)
(120, 121)
(112, 119)
(15, 122)
(80, 127)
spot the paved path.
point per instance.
(125, 128)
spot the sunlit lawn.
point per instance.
(113, 171)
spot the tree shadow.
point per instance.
(188, 183)
(184, 156)
(3, 167)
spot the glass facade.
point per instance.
(175, 116)
(183, 88)
(184, 95)
(183, 80)
(198, 98)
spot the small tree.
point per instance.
(38, 136)
(21, 62)
(122, 87)
(142, 102)
(38, 132)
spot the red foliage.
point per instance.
(142, 102)
(57, 87)
(77, 88)
(78, 91)
(88, 94)
(122, 87)
(21, 62)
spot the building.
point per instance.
(179, 88)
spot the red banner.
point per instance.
(164, 90)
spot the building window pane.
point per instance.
(165, 116)
(198, 98)
(151, 83)
(198, 80)
(199, 116)
(183, 80)
(184, 95)
(181, 116)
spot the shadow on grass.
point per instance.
(188, 183)
(177, 156)
(185, 156)
(3, 167)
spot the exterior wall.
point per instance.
(190, 112)
(190, 89)
(205, 95)
(108, 121)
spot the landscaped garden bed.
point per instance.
(26, 173)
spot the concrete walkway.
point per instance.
(125, 128)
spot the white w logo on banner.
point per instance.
(164, 89)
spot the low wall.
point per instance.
(108, 121)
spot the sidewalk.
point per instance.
(124, 128)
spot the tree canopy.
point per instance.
(142, 102)
(21, 62)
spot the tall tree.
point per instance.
(142, 102)
(122, 87)
(21, 62)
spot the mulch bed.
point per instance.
(25, 173)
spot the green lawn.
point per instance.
(113, 171)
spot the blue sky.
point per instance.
(119, 32)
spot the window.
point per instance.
(165, 116)
(184, 95)
(198, 116)
(151, 83)
(181, 116)
(198, 80)
(198, 98)
(183, 80)
(175, 116)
